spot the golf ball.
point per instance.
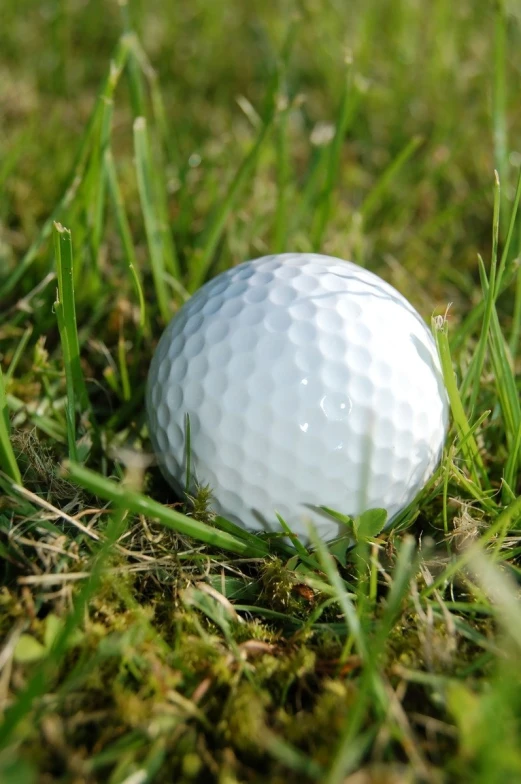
(308, 382)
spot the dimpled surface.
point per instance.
(308, 381)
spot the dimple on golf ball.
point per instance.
(308, 382)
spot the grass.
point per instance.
(144, 147)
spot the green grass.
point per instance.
(144, 147)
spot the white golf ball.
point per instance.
(308, 382)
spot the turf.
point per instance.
(144, 147)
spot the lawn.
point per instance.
(144, 148)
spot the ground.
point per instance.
(144, 147)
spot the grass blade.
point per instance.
(188, 454)
(65, 276)
(505, 380)
(345, 115)
(8, 462)
(503, 264)
(148, 206)
(499, 113)
(352, 620)
(65, 309)
(508, 518)
(284, 173)
(283, 180)
(406, 565)
(125, 233)
(502, 592)
(468, 443)
(141, 504)
(516, 317)
(18, 353)
(201, 262)
(137, 65)
(505, 275)
(99, 178)
(167, 133)
(473, 377)
(374, 197)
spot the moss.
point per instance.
(317, 728)
(243, 719)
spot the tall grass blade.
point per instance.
(65, 310)
(507, 272)
(125, 234)
(66, 295)
(473, 378)
(505, 269)
(20, 349)
(139, 66)
(166, 132)
(345, 115)
(148, 205)
(468, 443)
(135, 82)
(283, 179)
(8, 462)
(284, 173)
(499, 108)
(99, 178)
(505, 380)
(516, 317)
(201, 263)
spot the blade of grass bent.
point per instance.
(141, 504)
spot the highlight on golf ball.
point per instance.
(308, 382)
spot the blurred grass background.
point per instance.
(430, 70)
